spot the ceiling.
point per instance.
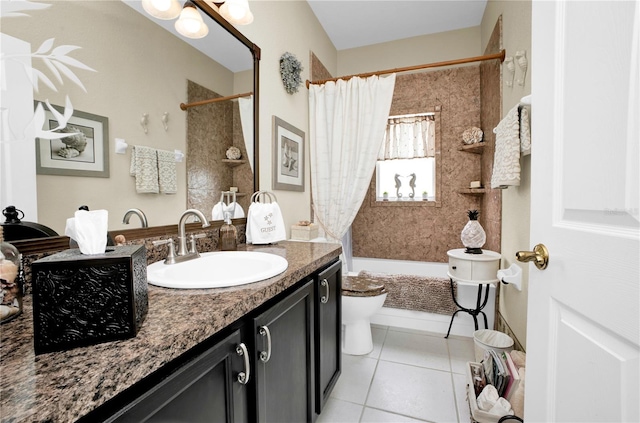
(349, 24)
(358, 23)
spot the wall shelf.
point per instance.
(472, 191)
(233, 163)
(475, 148)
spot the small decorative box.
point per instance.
(304, 233)
(81, 300)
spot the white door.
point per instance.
(583, 321)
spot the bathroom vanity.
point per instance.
(266, 351)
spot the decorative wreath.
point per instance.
(290, 69)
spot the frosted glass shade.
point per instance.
(162, 9)
(190, 23)
(236, 12)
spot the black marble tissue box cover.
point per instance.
(81, 300)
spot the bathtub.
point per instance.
(419, 320)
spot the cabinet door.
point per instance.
(284, 359)
(328, 331)
(206, 389)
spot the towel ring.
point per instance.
(259, 196)
(229, 196)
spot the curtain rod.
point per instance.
(500, 56)
(214, 100)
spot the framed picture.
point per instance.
(288, 156)
(85, 152)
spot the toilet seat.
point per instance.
(359, 286)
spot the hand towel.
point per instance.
(219, 210)
(167, 175)
(265, 224)
(144, 166)
(506, 161)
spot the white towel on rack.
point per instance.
(221, 208)
(265, 224)
(506, 160)
(525, 131)
(144, 166)
(167, 175)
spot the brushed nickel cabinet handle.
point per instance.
(325, 298)
(243, 377)
(265, 355)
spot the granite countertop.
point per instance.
(64, 386)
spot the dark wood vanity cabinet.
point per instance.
(284, 358)
(204, 389)
(287, 352)
(328, 326)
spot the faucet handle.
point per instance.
(192, 244)
(171, 255)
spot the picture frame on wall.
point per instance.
(288, 156)
(85, 152)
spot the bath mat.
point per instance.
(420, 293)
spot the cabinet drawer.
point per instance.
(461, 269)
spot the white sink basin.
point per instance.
(217, 269)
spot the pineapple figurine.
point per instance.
(473, 236)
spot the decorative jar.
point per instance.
(10, 281)
(473, 236)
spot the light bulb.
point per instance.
(162, 5)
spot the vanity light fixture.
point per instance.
(162, 9)
(190, 23)
(236, 12)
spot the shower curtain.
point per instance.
(246, 120)
(347, 121)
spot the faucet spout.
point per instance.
(182, 237)
(137, 212)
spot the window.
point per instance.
(406, 179)
(406, 167)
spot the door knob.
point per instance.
(539, 256)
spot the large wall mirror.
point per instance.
(136, 72)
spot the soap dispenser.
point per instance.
(228, 234)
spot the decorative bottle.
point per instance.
(228, 234)
(473, 236)
(10, 281)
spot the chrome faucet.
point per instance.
(182, 237)
(138, 213)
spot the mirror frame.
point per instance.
(59, 243)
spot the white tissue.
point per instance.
(501, 408)
(491, 402)
(89, 230)
(488, 398)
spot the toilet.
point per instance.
(362, 297)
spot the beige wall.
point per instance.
(411, 51)
(279, 27)
(119, 43)
(516, 35)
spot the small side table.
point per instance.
(479, 269)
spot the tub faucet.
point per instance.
(182, 237)
(138, 213)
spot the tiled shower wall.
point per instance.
(427, 232)
(490, 115)
(211, 130)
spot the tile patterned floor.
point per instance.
(410, 376)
